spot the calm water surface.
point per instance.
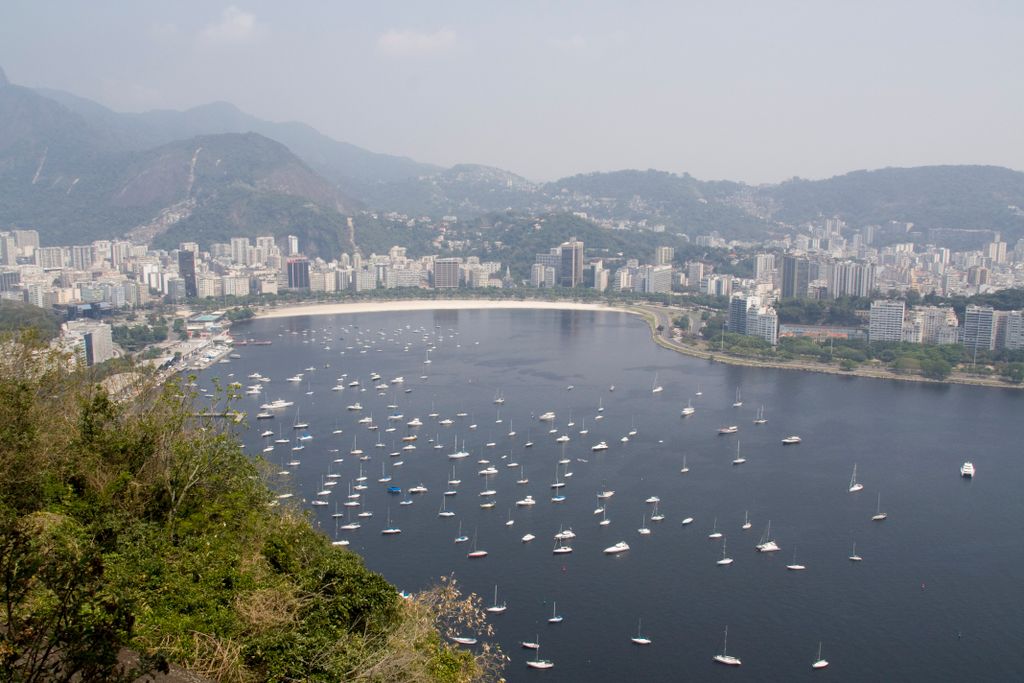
(937, 596)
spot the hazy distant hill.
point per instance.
(76, 181)
(929, 196)
(352, 167)
(80, 171)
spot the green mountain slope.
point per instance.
(931, 197)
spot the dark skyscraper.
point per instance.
(571, 272)
(187, 271)
(795, 277)
(298, 273)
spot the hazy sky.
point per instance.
(756, 91)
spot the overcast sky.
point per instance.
(757, 91)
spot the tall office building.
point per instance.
(795, 277)
(663, 256)
(446, 273)
(979, 328)
(738, 306)
(886, 321)
(187, 271)
(293, 245)
(571, 271)
(298, 273)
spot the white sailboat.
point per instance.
(390, 530)
(726, 560)
(496, 608)
(715, 533)
(656, 515)
(726, 658)
(476, 553)
(656, 388)
(688, 410)
(760, 419)
(767, 544)
(460, 538)
(555, 618)
(854, 557)
(819, 663)
(684, 469)
(643, 530)
(738, 460)
(794, 566)
(640, 639)
(746, 520)
(854, 484)
(537, 662)
(879, 515)
(739, 399)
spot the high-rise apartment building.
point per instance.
(81, 257)
(886, 321)
(655, 279)
(1014, 340)
(51, 257)
(695, 273)
(852, 279)
(764, 267)
(293, 245)
(663, 256)
(240, 250)
(763, 322)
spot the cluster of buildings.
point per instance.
(983, 329)
(567, 266)
(118, 273)
(827, 263)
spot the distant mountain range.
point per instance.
(78, 171)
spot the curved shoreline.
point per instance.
(651, 314)
(428, 305)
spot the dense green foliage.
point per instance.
(840, 312)
(933, 362)
(135, 524)
(133, 338)
(16, 316)
(930, 197)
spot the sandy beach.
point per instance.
(426, 305)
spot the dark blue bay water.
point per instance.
(938, 594)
